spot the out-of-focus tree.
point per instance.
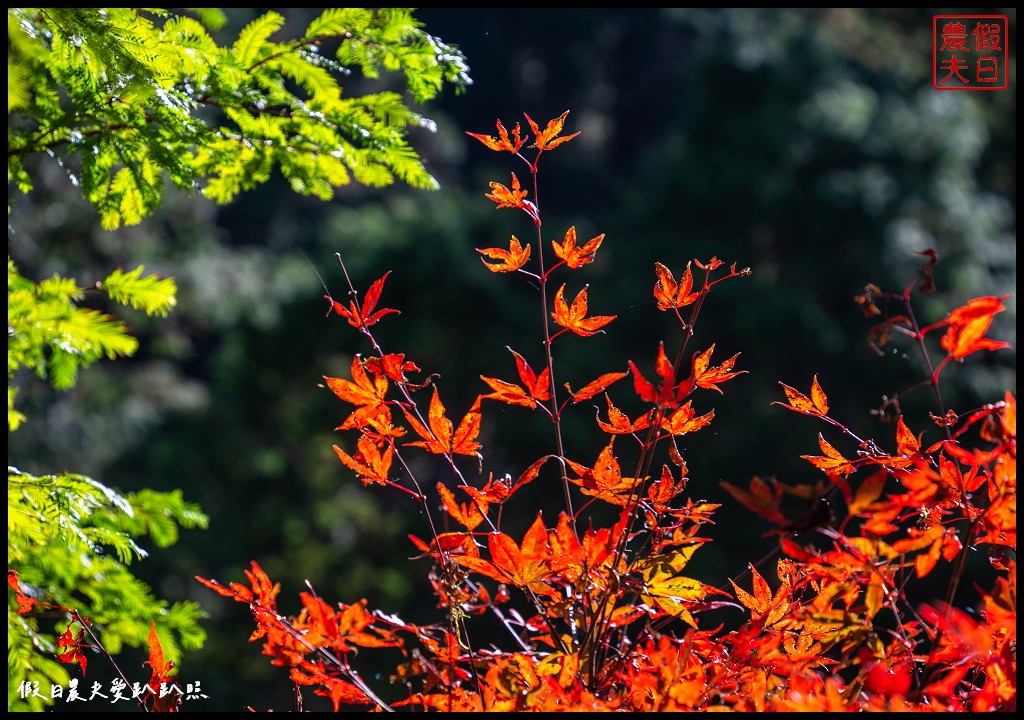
(127, 102)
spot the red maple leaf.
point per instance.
(574, 317)
(816, 405)
(576, 257)
(364, 317)
(365, 393)
(162, 674)
(369, 463)
(546, 139)
(70, 646)
(25, 603)
(521, 565)
(536, 388)
(508, 260)
(968, 325)
(502, 143)
(620, 424)
(670, 294)
(441, 438)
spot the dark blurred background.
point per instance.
(808, 145)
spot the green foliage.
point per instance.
(71, 540)
(50, 334)
(145, 95)
(69, 537)
(127, 102)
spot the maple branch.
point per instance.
(556, 415)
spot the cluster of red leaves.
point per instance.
(601, 614)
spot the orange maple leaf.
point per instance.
(368, 395)
(505, 197)
(620, 424)
(25, 603)
(764, 606)
(368, 463)
(392, 365)
(263, 591)
(968, 325)
(574, 317)
(468, 515)
(364, 317)
(521, 565)
(763, 498)
(162, 673)
(509, 260)
(682, 421)
(594, 387)
(671, 294)
(707, 376)
(816, 405)
(576, 257)
(536, 386)
(832, 462)
(502, 143)
(669, 393)
(440, 438)
(546, 140)
(605, 480)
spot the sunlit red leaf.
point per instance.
(906, 442)
(683, 420)
(162, 669)
(369, 463)
(619, 424)
(708, 377)
(69, 648)
(508, 198)
(546, 139)
(968, 325)
(670, 294)
(538, 386)
(576, 257)
(574, 317)
(596, 386)
(604, 480)
(440, 438)
(508, 260)
(25, 603)
(393, 366)
(507, 393)
(869, 491)
(468, 515)
(366, 316)
(365, 393)
(832, 462)
(764, 606)
(816, 405)
(669, 393)
(518, 565)
(503, 142)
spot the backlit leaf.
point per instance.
(546, 139)
(574, 317)
(440, 438)
(576, 257)
(670, 294)
(816, 405)
(508, 260)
